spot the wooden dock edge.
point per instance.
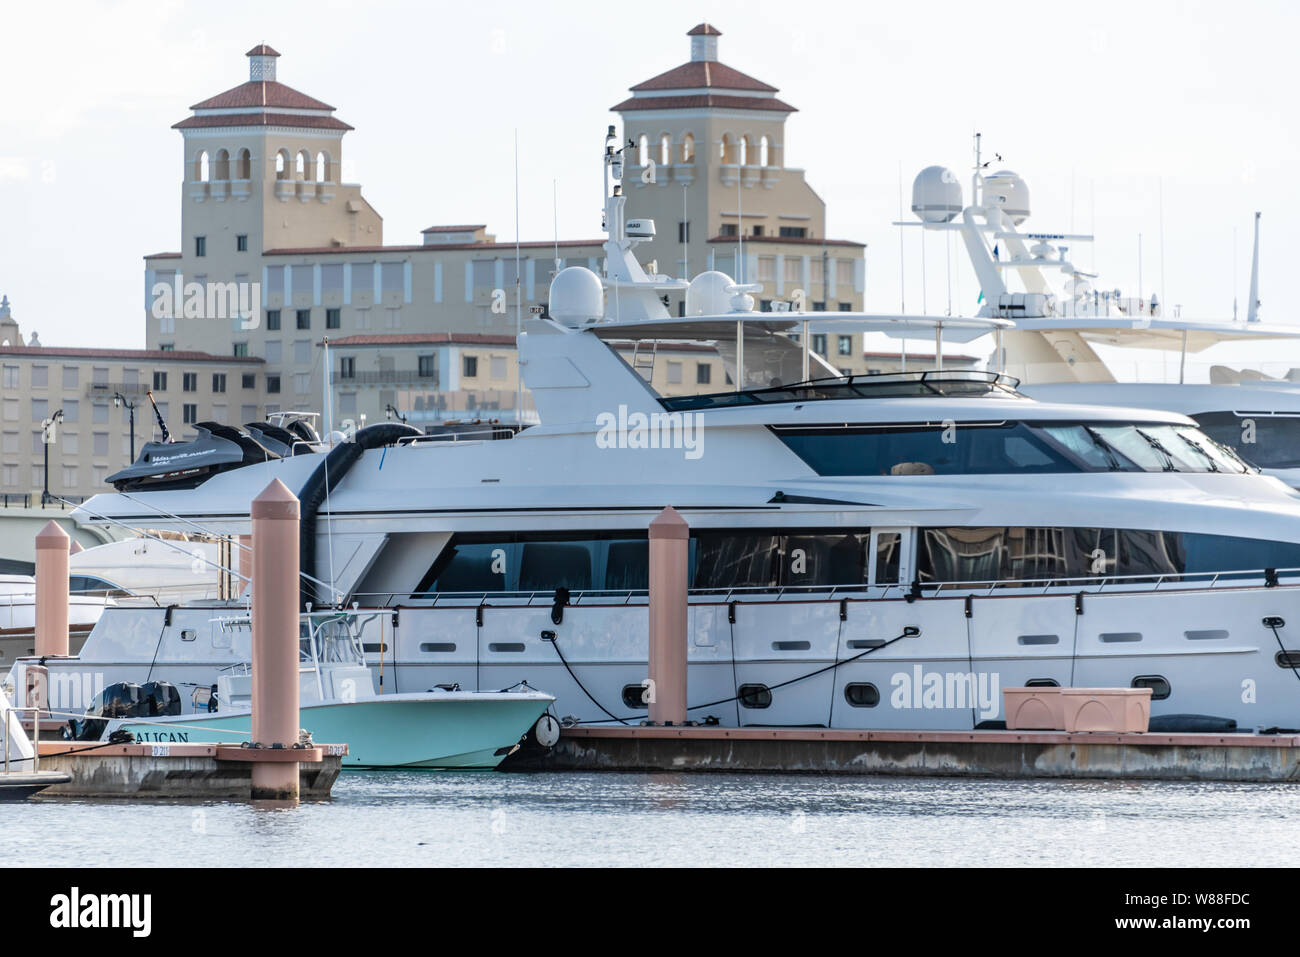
(994, 754)
(148, 771)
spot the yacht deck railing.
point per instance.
(1268, 577)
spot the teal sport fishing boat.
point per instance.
(442, 729)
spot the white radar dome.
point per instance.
(936, 195)
(577, 297)
(707, 294)
(1008, 192)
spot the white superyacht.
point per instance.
(866, 552)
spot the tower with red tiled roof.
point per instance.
(706, 160)
(263, 168)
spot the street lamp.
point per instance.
(390, 413)
(120, 400)
(48, 435)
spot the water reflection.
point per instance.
(684, 819)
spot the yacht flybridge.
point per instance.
(865, 551)
(1052, 349)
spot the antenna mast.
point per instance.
(519, 295)
(1252, 307)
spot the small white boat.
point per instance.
(444, 728)
(18, 615)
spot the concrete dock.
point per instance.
(1002, 754)
(212, 772)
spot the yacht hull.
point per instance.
(1209, 646)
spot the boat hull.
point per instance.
(465, 731)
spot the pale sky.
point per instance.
(1100, 106)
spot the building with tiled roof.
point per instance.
(265, 211)
(707, 145)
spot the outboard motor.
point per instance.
(121, 700)
(159, 698)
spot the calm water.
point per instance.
(379, 818)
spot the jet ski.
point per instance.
(168, 465)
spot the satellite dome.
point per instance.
(1008, 192)
(936, 195)
(707, 294)
(577, 297)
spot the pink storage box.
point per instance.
(1033, 709)
(1115, 710)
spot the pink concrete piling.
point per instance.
(76, 547)
(669, 552)
(51, 590)
(275, 515)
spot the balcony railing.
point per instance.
(105, 390)
(387, 377)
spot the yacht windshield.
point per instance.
(982, 448)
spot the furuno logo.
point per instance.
(947, 690)
(76, 910)
(208, 300)
(658, 430)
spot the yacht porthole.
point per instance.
(1159, 686)
(754, 696)
(634, 695)
(862, 694)
(1038, 639)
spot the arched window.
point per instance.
(243, 165)
(727, 149)
(764, 152)
(201, 171)
(746, 152)
(303, 165)
(643, 150)
(322, 167)
(221, 169)
(282, 164)
(688, 148)
(665, 149)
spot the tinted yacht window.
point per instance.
(736, 560)
(627, 566)
(961, 554)
(468, 566)
(888, 554)
(772, 559)
(1029, 554)
(1269, 441)
(960, 450)
(544, 566)
(824, 559)
(539, 561)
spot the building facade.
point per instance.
(706, 147)
(277, 254)
(76, 405)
